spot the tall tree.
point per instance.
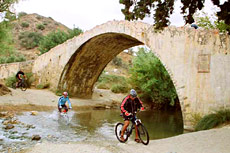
(162, 9)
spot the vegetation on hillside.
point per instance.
(7, 50)
(55, 38)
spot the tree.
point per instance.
(210, 22)
(162, 9)
(5, 6)
(151, 80)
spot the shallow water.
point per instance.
(91, 125)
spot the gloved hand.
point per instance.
(60, 106)
(70, 107)
(128, 114)
(142, 108)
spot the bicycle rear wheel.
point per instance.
(118, 129)
(143, 134)
(13, 85)
(23, 86)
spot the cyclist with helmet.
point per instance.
(62, 102)
(129, 106)
(19, 76)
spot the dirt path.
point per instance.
(209, 141)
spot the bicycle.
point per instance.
(64, 115)
(21, 84)
(142, 131)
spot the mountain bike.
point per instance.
(64, 115)
(142, 131)
(21, 84)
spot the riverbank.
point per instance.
(209, 141)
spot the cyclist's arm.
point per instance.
(123, 104)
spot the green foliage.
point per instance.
(40, 26)
(116, 83)
(6, 6)
(117, 61)
(21, 14)
(206, 22)
(12, 58)
(10, 80)
(161, 10)
(119, 88)
(29, 79)
(25, 24)
(42, 86)
(195, 118)
(212, 120)
(55, 38)
(30, 40)
(150, 79)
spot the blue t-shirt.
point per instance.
(62, 100)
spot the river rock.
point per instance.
(36, 137)
(9, 126)
(34, 113)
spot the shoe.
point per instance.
(122, 139)
(137, 140)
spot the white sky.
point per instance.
(86, 14)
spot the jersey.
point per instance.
(62, 100)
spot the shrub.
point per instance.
(40, 26)
(212, 120)
(42, 86)
(117, 61)
(10, 80)
(119, 88)
(25, 24)
(195, 118)
(103, 85)
(21, 14)
(30, 40)
(12, 58)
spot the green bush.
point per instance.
(30, 40)
(42, 86)
(12, 58)
(40, 26)
(212, 120)
(150, 78)
(25, 24)
(103, 85)
(119, 88)
(10, 80)
(117, 61)
(55, 38)
(21, 14)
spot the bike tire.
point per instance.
(13, 85)
(23, 86)
(143, 134)
(118, 129)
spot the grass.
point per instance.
(213, 120)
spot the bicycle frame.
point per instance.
(134, 121)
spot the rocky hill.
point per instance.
(33, 23)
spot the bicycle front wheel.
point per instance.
(118, 129)
(23, 86)
(143, 134)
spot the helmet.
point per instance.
(133, 93)
(65, 93)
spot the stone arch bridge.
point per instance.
(198, 61)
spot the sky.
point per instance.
(86, 14)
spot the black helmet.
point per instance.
(133, 93)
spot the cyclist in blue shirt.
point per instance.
(62, 102)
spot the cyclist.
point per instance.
(129, 106)
(62, 102)
(19, 76)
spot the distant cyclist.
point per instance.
(19, 76)
(62, 102)
(129, 106)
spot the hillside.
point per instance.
(33, 23)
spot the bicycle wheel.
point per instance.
(23, 86)
(143, 134)
(118, 129)
(13, 85)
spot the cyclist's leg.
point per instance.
(136, 134)
(65, 107)
(126, 124)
